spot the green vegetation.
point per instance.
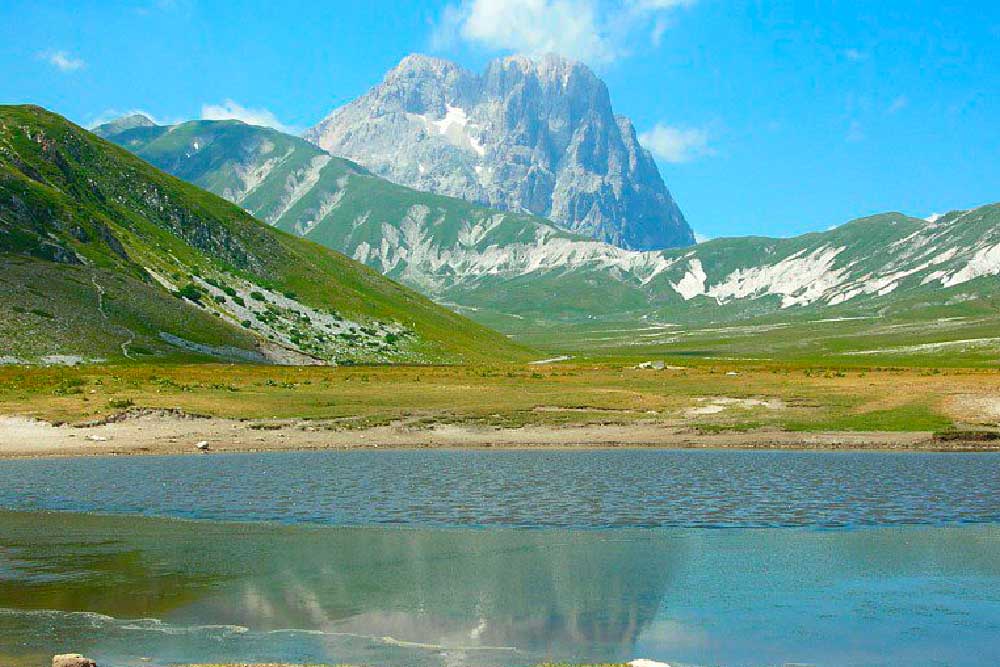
(705, 396)
(883, 266)
(90, 238)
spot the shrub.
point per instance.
(191, 292)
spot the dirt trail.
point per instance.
(100, 308)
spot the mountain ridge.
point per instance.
(502, 268)
(537, 136)
(101, 254)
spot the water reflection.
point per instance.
(326, 594)
(124, 588)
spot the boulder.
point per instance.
(72, 660)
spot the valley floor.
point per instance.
(173, 434)
(611, 403)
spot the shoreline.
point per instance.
(166, 433)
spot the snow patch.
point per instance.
(798, 279)
(454, 127)
(985, 262)
(693, 282)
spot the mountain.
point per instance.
(104, 256)
(536, 136)
(507, 269)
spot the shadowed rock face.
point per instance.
(537, 136)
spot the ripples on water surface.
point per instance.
(579, 489)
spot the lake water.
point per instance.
(823, 559)
(558, 489)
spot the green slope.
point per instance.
(103, 256)
(519, 274)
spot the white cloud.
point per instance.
(898, 105)
(594, 31)
(856, 132)
(63, 60)
(701, 238)
(676, 144)
(230, 110)
(855, 55)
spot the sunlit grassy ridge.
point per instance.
(80, 216)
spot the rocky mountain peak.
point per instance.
(536, 135)
(123, 123)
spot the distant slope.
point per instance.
(510, 269)
(104, 256)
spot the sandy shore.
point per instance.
(166, 433)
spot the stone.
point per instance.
(72, 660)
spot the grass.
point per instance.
(801, 398)
(87, 212)
(959, 338)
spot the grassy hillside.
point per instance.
(102, 255)
(886, 284)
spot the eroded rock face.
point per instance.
(537, 136)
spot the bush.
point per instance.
(256, 296)
(191, 292)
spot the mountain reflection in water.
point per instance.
(561, 594)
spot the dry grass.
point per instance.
(512, 396)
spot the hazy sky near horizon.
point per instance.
(768, 118)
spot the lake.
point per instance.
(504, 558)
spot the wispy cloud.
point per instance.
(594, 31)
(855, 55)
(63, 60)
(676, 144)
(230, 110)
(898, 105)
(855, 132)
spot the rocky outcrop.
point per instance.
(72, 660)
(537, 136)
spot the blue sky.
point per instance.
(771, 118)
